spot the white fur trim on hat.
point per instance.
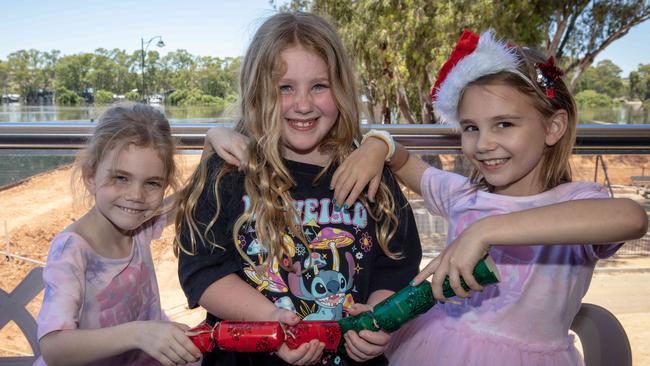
(489, 57)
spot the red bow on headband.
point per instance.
(548, 74)
(465, 46)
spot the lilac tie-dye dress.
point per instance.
(524, 320)
(84, 290)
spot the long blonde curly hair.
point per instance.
(267, 180)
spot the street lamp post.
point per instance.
(144, 49)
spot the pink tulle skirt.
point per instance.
(434, 340)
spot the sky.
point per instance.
(202, 27)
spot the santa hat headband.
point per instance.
(473, 57)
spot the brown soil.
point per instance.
(34, 211)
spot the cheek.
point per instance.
(285, 103)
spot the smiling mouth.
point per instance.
(130, 210)
(302, 124)
(494, 162)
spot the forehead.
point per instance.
(135, 160)
(485, 101)
(302, 62)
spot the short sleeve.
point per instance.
(440, 189)
(208, 263)
(63, 278)
(594, 191)
(152, 229)
(395, 274)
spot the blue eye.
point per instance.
(469, 128)
(320, 87)
(285, 89)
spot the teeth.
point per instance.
(303, 124)
(491, 162)
(129, 210)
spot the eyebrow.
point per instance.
(124, 172)
(505, 116)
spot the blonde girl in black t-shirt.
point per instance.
(268, 243)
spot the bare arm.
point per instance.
(164, 341)
(242, 303)
(588, 221)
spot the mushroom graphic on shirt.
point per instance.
(332, 239)
(268, 277)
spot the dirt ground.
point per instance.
(32, 212)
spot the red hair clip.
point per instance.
(547, 75)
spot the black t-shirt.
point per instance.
(346, 264)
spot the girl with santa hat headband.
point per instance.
(517, 121)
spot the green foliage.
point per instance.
(604, 78)
(120, 72)
(133, 96)
(186, 97)
(67, 97)
(640, 83)
(103, 97)
(592, 99)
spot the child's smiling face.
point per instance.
(128, 188)
(308, 107)
(504, 136)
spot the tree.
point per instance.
(400, 45)
(640, 83)
(578, 30)
(72, 72)
(604, 79)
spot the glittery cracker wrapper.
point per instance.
(327, 332)
(202, 336)
(249, 336)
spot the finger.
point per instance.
(354, 194)
(352, 348)
(436, 284)
(357, 309)
(289, 318)
(373, 187)
(336, 177)
(311, 354)
(427, 271)
(469, 279)
(378, 340)
(343, 188)
(454, 282)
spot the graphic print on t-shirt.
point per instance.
(321, 282)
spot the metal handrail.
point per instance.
(615, 139)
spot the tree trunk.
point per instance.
(403, 104)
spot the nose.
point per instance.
(135, 193)
(485, 141)
(302, 102)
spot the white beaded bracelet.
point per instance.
(384, 136)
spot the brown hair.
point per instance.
(556, 159)
(267, 180)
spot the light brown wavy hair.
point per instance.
(123, 125)
(556, 159)
(267, 180)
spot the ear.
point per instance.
(89, 182)
(558, 124)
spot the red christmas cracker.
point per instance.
(327, 332)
